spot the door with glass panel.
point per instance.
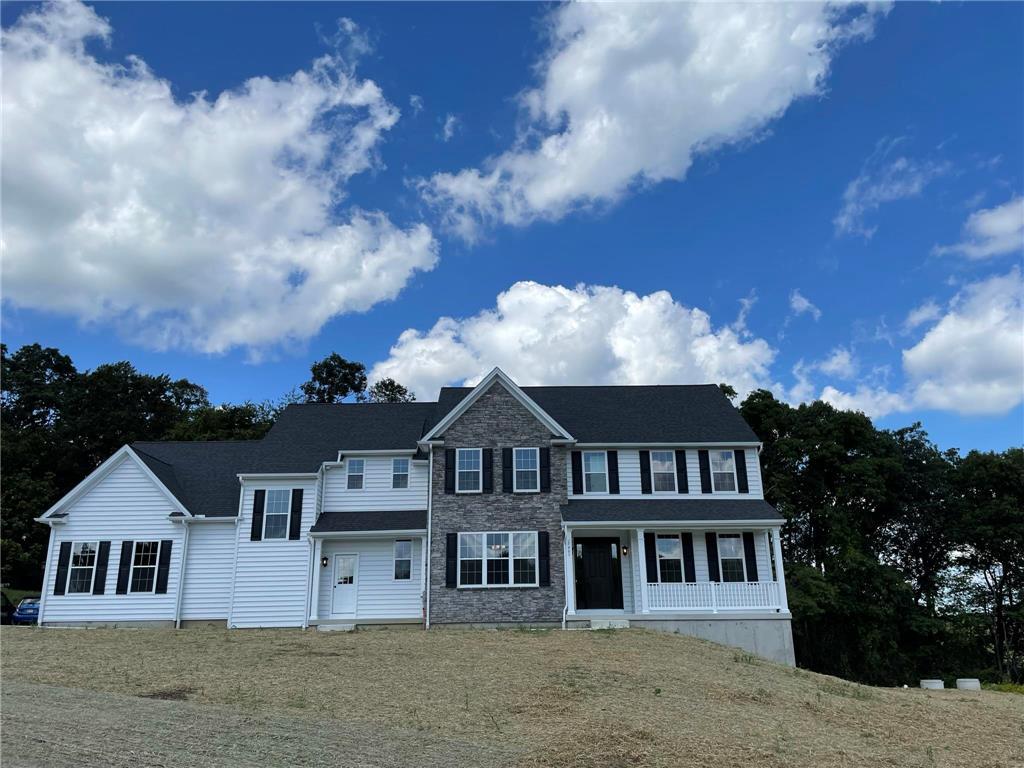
(346, 585)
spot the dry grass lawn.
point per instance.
(394, 697)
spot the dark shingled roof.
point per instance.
(336, 522)
(690, 413)
(668, 510)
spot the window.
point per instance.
(468, 470)
(83, 567)
(403, 560)
(275, 513)
(527, 472)
(723, 470)
(730, 557)
(144, 566)
(663, 471)
(355, 474)
(498, 559)
(399, 473)
(595, 472)
(670, 558)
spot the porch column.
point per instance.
(314, 605)
(780, 575)
(641, 553)
(423, 566)
(569, 563)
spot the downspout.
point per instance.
(430, 506)
(46, 575)
(234, 569)
(318, 505)
(565, 574)
(181, 577)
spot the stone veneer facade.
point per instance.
(497, 420)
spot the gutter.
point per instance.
(181, 579)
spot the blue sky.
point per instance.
(866, 208)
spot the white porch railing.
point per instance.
(713, 596)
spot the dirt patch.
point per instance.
(180, 693)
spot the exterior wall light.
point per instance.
(323, 561)
(625, 550)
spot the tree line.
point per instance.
(902, 560)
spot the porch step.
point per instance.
(335, 627)
(609, 623)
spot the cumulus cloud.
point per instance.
(839, 363)
(991, 232)
(800, 304)
(922, 315)
(630, 93)
(449, 127)
(550, 334)
(876, 402)
(202, 223)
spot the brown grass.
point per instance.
(622, 698)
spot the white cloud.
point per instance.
(449, 127)
(922, 315)
(991, 232)
(416, 103)
(839, 363)
(198, 223)
(876, 402)
(800, 304)
(883, 179)
(630, 93)
(550, 334)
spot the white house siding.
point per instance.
(700, 556)
(206, 593)
(270, 575)
(379, 595)
(376, 493)
(124, 505)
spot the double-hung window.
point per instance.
(723, 471)
(468, 474)
(275, 513)
(663, 471)
(83, 567)
(356, 467)
(144, 557)
(399, 473)
(403, 560)
(498, 559)
(526, 477)
(670, 558)
(730, 557)
(595, 472)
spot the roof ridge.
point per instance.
(197, 442)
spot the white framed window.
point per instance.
(403, 559)
(399, 473)
(276, 510)
(731, 562)
(83, 567)
(670, 558)
(663, 471)
(143, 573)
(723, 471)
(526, 470)
(595, 472)
(468, 470)
(354, 471)
(498, 559)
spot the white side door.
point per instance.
(346, 585)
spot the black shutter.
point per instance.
(506, 470)
(613, 471)
(163, 566)
(545, 470)
(100, 582)
(449, 470)
(124, 567)
(689, 569)
(645, 471)
(259, 498)
(682, 479)
(705, 471)
(741, 470)
(295, 520)
(543, 559)
(651, 557)
(711, 542)
(577, 473)
(451, 559)
(749, 555)
(60, 582)
(487, 459)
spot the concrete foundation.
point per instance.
(769, 638)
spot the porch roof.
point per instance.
(669, 510)
(340, 522)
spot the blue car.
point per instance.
(27, 611)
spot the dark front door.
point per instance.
(598, 573)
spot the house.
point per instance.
(496, 505)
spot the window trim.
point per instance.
(657, 558)
(515, 471)
(711, 468)
(266, 516)
(155, 567)
(71, 559)
(479, 470)
(395, 558)
(675, 475)
(408, 467)
(604, 455)
(742, 558)
(511, 561)
(349, 474)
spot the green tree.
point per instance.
(389, 391)
(334, 379)
(248, 421)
